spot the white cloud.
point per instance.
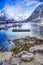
(22, 9)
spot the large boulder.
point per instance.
(15, 61)
(27, 57)
(39, 58)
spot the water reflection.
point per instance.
(36, 31)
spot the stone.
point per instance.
(39, 58)
(5, 56)
(6, 63)
(21, 53)
(15, 61)
(31, 42)
(27, 57)
(36, 48)
(21, 42)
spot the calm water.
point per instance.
(36, 30)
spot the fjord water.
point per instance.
(36, 30)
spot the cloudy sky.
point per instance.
(19, 9)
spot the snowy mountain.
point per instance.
(37, 15)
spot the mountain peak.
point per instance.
(37, 14)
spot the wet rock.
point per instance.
(27, 57)
(15, 61)
(6, 63)
(12, 61)
(39, 58)
(5, 58)
(21, 42)
(21, 53)
(31, 42)
(36, 48)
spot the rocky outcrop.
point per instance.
(27, 57)
(23, 57)
(36, 48)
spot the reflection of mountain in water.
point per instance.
(36, 29)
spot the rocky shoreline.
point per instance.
(26, 51)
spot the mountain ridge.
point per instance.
(37, 14)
